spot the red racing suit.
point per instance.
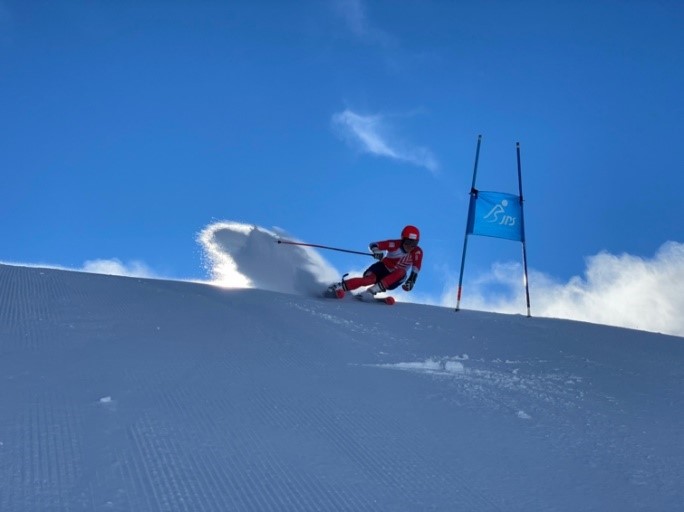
(391, 271)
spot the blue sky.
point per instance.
(131, 126)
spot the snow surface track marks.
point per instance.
(49, 457)
(27, 319)
(126, 394)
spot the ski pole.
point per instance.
(288, 242)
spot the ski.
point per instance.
(329, 293)
(366, 297)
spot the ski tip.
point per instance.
(389, 300)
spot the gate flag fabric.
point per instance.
(495, 214)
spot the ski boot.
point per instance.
(338, 289)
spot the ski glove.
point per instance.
(377, 253)
(408, 285)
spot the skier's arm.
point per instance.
(417, 263)
(411, 281)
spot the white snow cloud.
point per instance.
(371, 134)
(621, 290)
(244, 256)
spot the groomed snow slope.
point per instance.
(146, 395)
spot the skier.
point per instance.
(392, 268)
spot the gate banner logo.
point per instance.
(495, 214)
